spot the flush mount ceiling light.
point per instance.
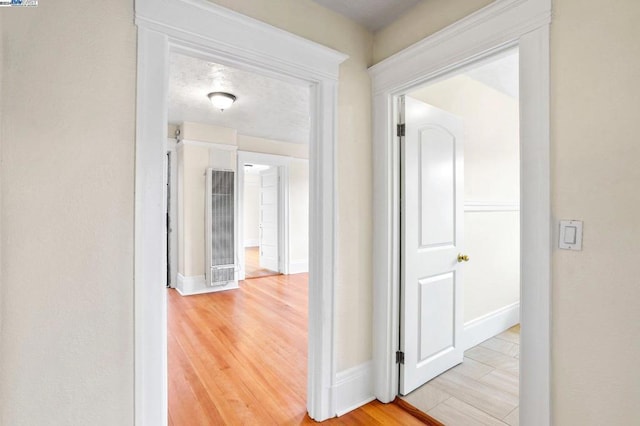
(221, 100)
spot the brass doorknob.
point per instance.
(462, 258)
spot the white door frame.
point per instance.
(171, 147)
(202, 29)
(502, 24)
(282, 163)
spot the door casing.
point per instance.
(501, 25)
(204, 30)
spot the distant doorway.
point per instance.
(261, 220)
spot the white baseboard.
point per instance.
(251, 243)
(299, 266)
(480, 329)
(196, 284)
(354, 388)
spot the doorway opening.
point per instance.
(214, 33)
(460, 272)
(234, 173)
(492, 30)
(261, 217)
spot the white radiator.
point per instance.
(221, 267)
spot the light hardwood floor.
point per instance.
(483, 390)
(239, 357)
(252, 264)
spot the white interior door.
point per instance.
(269, 219)
(432, 239)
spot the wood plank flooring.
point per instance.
(252, 264)
(483, 390)
(239, 357)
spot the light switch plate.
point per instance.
(570, 236)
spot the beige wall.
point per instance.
(354, 297)
(1, 239)
(491, 176)
(594, 73)
(428, 17)
(267, 146)
(68, 108)
(595, 66)
(193, 162)
(68, 98)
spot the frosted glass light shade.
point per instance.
(221, 100)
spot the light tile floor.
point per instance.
(483, 390)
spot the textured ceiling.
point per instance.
(266, 107)
(372, 14)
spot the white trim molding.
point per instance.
(487, 326)
(204, 144)
(479, 206)
(251, 242)
(501, 25)
(298, 266)
(354, 387)
(202, 29)
(197, 284)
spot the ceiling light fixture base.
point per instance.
(221, 100)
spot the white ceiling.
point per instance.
(266, 107)
(373, 14)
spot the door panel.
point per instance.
(437, 157)
(269, 219)
(432, 237)
(436, 307)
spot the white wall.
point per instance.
(491, 178)
(299, 214)
(421, 21)
(68, 108)
(251, 207)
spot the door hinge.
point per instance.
(399, 357)
(400, 130)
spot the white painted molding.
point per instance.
(197, 284)
(298, 266)
(239, 39)
(220, 146)
(204, 30)
(487, 326)
(354, 388)
(490, 27)
(478, 206)
(501, 25)
(150, 297)
(262, 158)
